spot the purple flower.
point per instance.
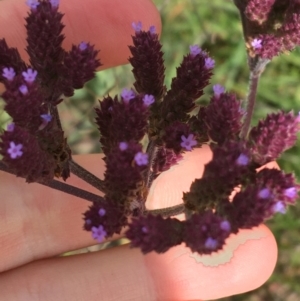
(23, 89)
(82, 46)
(9, 73)
(242, 160)
(194, 50)
(137, 26)
(54, 3)
(141, 159)
(154, 233)
(225, 225)
(46, 117)
(273, 136)
(256, 43)
(279, 207)
(145, 229)
(188, 142)
(10, 127)
(291, 192)
(211, 243)
(123, 146)
(264, 193)
(101, 211)
(209, 63)
(33, 4)
(152, 29)
(127, 94)
(15, 150)
(29, 75)
(148, 99)
(218, 90)
(98, 233)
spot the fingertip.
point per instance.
(168, 187)
(246, 263)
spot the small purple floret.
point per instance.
(264, 193)
(209, 63)
(127, 95)
(148, 100)
(225, 225)
(82, 46)
(123, 146)
(137, 26)
(98, 233)
(144, 229)
(256, 43)
(101, 211)
(46, 117)
(194, 50)
(218, 90)
(88, 221)
(188, 142)
(9, 73)
(291, 192)
(29, 75)
(211, 243)
(14, 150)
(54, 3)
(279, 207)
(141, 159)
(23, 89)
(152, 29)
(242, 160)
(33, 4)
(10, 127)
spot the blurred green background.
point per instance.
(215, 26)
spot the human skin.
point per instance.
(38, 223)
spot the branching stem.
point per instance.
(152, 153)
(85, 175)
(167, 212)
(250, 103)
(80, 193)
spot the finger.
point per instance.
(168, 189)
(125, 274)
(105, 23)
(37, 221)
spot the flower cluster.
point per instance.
(34, 147)
(270, 26)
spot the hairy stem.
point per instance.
(167, 212)
(85, 175)
(152, 153)
(250, 103)
(80, 193)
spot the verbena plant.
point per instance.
(34, 147)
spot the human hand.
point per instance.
(38, 223)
